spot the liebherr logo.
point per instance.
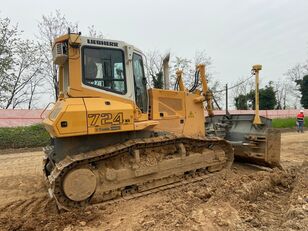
(103, 43)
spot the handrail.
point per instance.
(45, 109)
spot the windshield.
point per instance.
(104, 68)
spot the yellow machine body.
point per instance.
(82, 110)
(172, 111)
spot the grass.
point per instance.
(24, 137)
(287, 123)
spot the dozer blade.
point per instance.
(256, 144)
(259, 149)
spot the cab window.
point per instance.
(104, 68)
(141, 93)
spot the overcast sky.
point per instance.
(235, 33)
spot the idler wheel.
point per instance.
(79, 184)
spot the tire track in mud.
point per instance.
(21, 176)
(38, 214)
(234, 201)
(22, 189)
(24, 200)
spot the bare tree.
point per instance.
(92, 32)
(242, 87)
(201, 57)
(27, 66)
(20, 62)
(154, 61)
(153, 65)
(8, 38)
(184, 64)
(188, 66)
(293, 75)
(24, 63)
(296, 73)
(34, 91)
(282, 89)
(50, 27)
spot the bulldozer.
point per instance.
(112, 137)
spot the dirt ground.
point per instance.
(243, 198)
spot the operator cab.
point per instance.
(97, 67)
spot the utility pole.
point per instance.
(227, 99)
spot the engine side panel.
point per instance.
(177, 112)
(89, 116)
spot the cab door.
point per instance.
(141, 93)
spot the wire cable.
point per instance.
(234, 86)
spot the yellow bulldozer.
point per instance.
(112, 137)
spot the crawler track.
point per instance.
(135, 168)
(187, 179)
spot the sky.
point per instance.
(235, 33)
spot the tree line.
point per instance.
(27, 71)
(287, 92)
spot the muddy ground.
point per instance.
(243, 198)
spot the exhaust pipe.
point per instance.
(166, 71)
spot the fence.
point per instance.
(21, 117)
(272, 114)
